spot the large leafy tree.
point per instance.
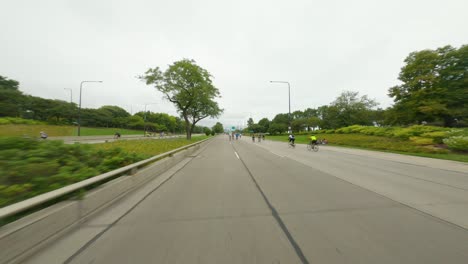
(434, 87)
(189, 87)
(353, 110)
(11, 98)
(218, 128)
(264, 123)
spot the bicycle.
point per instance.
(312, 147)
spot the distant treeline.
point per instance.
(433, 91)
(13, 103)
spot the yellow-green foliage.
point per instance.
(149, 147)
(421, 141)
(29, 167)
(399, 132)
(369, 142)
(33, 130)
(15, 120)
(437, 137)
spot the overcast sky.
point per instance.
(321, 47)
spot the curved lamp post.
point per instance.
(79, 107)
(289, 97)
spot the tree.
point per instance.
(264, 124)
(298, 124)
(277, 128)
(348, 109)
(435, 86)
(8, 84)
(250, 123)
(115, 111)
(218, 128)
(11, 99)
(207, 131)
(189, 88)
(281, 119)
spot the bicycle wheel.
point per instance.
(309, 147)
(315, 148)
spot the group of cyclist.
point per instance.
(313, 139)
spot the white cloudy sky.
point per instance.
(320, 47)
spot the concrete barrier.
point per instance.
(20, 239)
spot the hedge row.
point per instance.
(455, 139)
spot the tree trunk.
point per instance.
(188, 130)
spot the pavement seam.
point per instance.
(96, 237)
(276, 216)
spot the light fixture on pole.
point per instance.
(144, 118)
(289, 97)
(79, 107)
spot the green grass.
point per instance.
(14, 130)
(33, 130)
(90, 131)
(148, 147)
(385, 144)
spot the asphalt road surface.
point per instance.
(244, 202)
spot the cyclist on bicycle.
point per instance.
(313, 140)
(291, 139)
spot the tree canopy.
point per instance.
(189, 88)
(218, 128)
(434, 87)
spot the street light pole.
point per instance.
(144, 118)
(289, 98)
(71, 94)
(79, 107)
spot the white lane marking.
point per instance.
(236, 155)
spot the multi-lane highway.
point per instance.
(244, 202)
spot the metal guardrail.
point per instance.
(43, 198)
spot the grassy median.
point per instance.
(18, 130)
(30, 167)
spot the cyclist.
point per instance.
(43, 135)
(313, 140)
(291, 139)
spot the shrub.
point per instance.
(18, 121)
(457, 132)
(457, 143)
(29, 167)
(437, 137)
(421, 141)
